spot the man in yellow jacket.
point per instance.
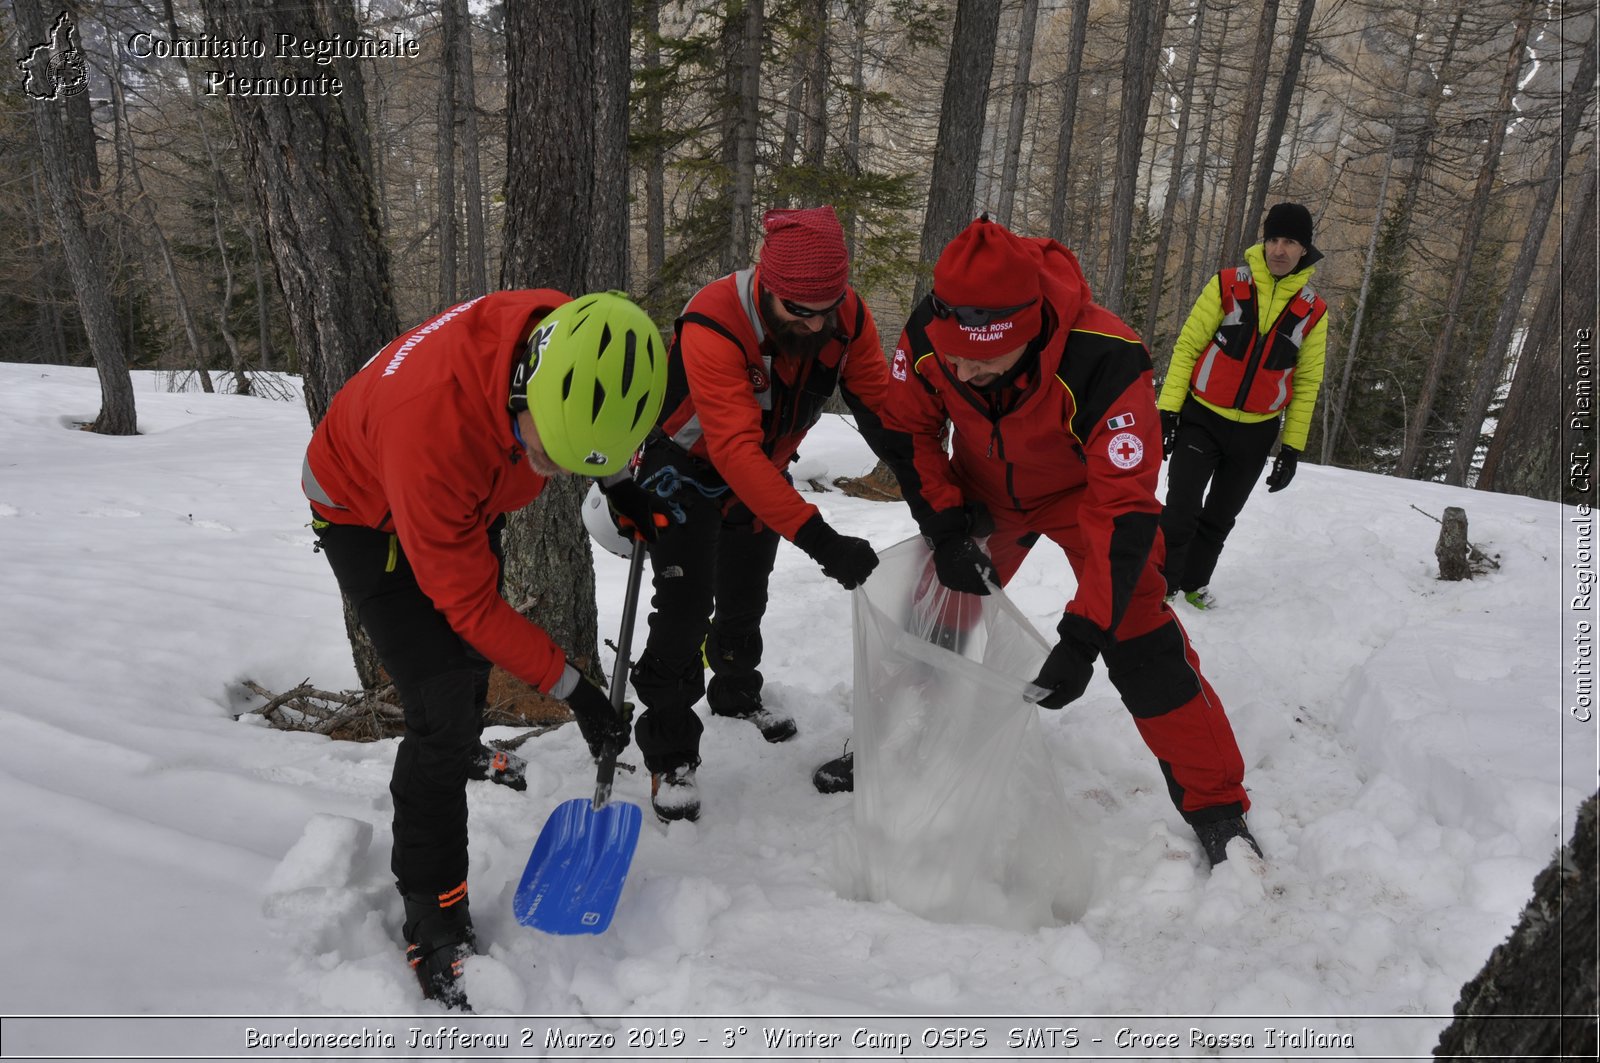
(1249, 356)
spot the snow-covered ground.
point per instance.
(1410, 758)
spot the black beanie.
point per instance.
(1291, 220)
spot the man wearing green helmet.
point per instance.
(421, 454)
(755, 357)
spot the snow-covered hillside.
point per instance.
(1409, 756)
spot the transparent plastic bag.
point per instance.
(959, 814)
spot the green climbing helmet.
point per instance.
(594, 379)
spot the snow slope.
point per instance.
(1409, 757)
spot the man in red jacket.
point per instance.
(421, 454)
(1056, 435)
(755, 357)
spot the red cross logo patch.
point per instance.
(1125, 450)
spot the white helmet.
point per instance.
(602, 529)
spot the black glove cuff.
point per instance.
(944, 525)
(814, 535)
(1084, 634)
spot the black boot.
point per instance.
(438, 930)
(741, 701)
(1215, 836)
(837, 776)
(674, 794)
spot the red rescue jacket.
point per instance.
(420, 442)
(736, 401)
(1080, 421)
(1243, 368)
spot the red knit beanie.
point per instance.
(803, 258)
(989, 267)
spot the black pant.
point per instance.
(710, 577)
(443, 685)
(1228, 456)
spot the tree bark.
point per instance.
(1280, 109)
(309, 162)
(471, 142)
(1526, 457)
(1489, 372)
(1169, 204)
(1029, 19)
(1444, 345)
(309, 159)
(566, 216)
(1244, 147)
(66, 172)
(955, 154)
(1145, 24)
(743, 41)
(1189, 283)
(655, 170)
(1077, 36)
(1535, 997)
(859, 10)
(445, 145)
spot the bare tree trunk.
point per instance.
(1333, 410)
(655, 172)
(961, 113)
(1525, 457)
(745, 20)
(1078, 34)
(152, 224)
(1244, 147)
(1444, 345)
(1489, 372)
(310, 163)
(817, 75)
(858, 95)
(1029, 19)
(263, 317)
(471, 165)
(64, 180)
(1145, 24)
(1280, 109)
(1188, 283)
(1169, 204)
(567, 72)
(445, 145)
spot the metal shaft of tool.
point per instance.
(619, 672)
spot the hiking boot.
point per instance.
(1201, 599)
(728, 700)
(499, 766)
(837, 776)
(1215, 836)
(674, 795)
(439, 932)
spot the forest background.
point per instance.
(1446, 149)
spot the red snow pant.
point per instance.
(1150, 662)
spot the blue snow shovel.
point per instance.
(580, 862)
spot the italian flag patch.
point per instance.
(1120, 421)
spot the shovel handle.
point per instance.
(619, 673)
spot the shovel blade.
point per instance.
(578, 868)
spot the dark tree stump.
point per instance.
(1453, 550)
(1537, 997)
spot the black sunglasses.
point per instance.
(806, 311)
(975, 316)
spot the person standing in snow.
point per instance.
(1249, 357)
(1055, 435)
(755, 357)
(421, 454)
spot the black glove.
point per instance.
(1283, 467)
(1169, 432)
(962, 565)
(597, 720)
(638, 513)
(1066, 671)
(843, 557)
